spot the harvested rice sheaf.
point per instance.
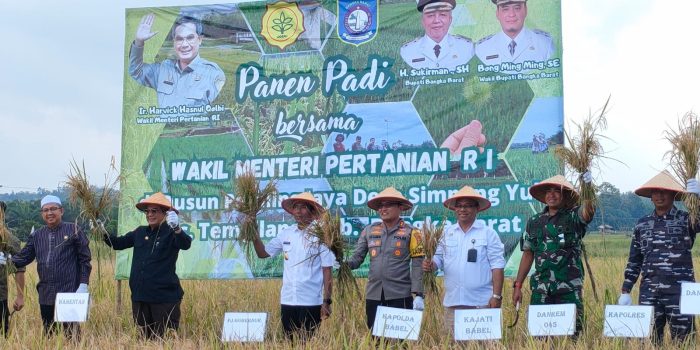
(684, 157)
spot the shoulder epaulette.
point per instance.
(410, 42)
(485, 38)
(541, 32)
(463, 37)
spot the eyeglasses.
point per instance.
(190, 39)
(465, 206)
(50, 210)
(152, 211)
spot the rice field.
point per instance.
(206, 301)
(533, 167)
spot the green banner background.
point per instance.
(414, 114)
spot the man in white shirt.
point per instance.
(515, 42)
(307, 268)
(471, 255)
(437, 48)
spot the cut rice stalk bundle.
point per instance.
(327, 229)
(95, 203)
(248, 201)
(584, 151)
(4, 232)
(432, 235)
(684, 158)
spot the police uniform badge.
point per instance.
(357, 21)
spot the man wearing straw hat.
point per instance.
(307, 268)
(661, 251)
(471, 255)
(63, 261)
(553, 240)
(9, 245)
(395, 257)
(155, 288)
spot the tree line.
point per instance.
(23, 211)
(619, 211)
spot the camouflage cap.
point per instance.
(427, 6)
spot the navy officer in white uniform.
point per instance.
(437, 48)
(515, 42)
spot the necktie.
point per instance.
(437, 50)
(511, 47)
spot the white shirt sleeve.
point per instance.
(327, 257)
(274, 246)
(494, 250)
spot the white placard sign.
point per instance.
(552, 319)
(71, 307)
(396, 323)
(628, 321)
(690, 298)
(244, 326)
(477, 324)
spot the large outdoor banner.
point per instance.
(340, 98)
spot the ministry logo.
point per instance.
(357, 21)
(282, 24)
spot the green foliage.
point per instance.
(528, 166)
(619, 210)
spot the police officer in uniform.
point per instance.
(553, 240)
(661, 251)
(187, 80)
(515, 42)
(395, 257)
(437, 48)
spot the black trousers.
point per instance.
(371, 307)
(300, 320)
(153, 319)
(4, 317)
(70, 329)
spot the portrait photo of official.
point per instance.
(437, 48)
(515, 42)
(186, 79)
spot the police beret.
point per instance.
(435, 5)
(505, 2)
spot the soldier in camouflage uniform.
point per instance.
(661, 251)
(552, 240)
(9, 245)
(395, 257)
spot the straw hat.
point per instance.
(389, 194)
(467, 192)
(157, 198)
(569, 194)
(662, 181)
(305, 197)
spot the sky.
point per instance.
(61, 86)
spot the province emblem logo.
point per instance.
(357, 21)
(282, 24)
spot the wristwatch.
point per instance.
(327, 301)
(497, 297)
